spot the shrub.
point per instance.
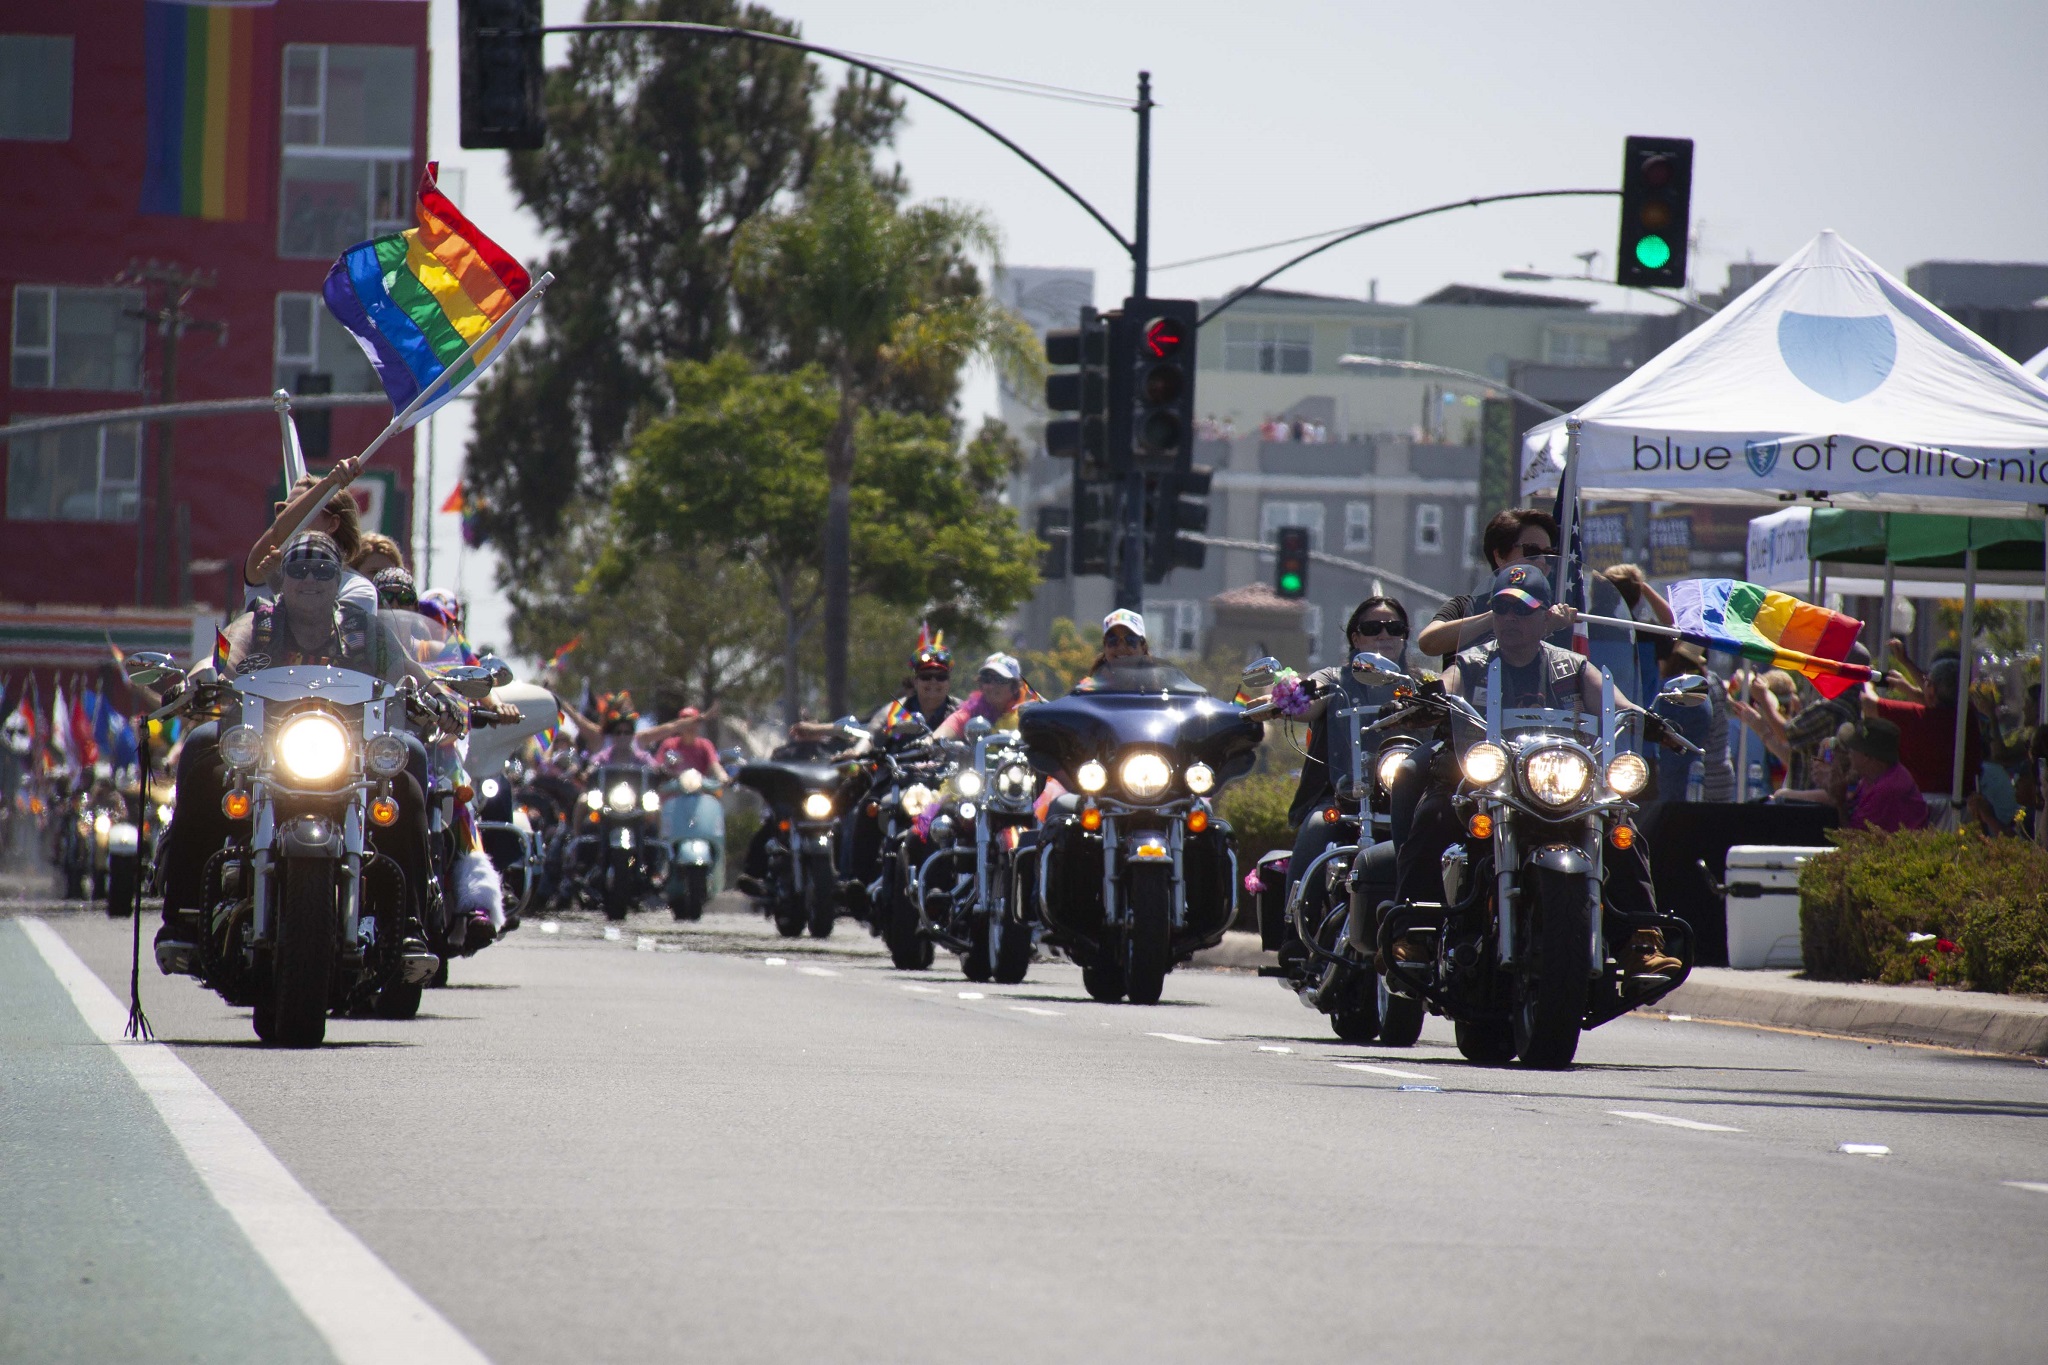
(1978, 909)
(1256, 807)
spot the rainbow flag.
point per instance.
(1770, 628)
(198, 76)
(417, 299)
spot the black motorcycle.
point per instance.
(966, 879)
(905, 776)
(802, 881)
(616, 858)
(1516, 955)
(1132, 872)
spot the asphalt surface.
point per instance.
(706, 1143)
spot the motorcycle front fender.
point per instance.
(1560, 858)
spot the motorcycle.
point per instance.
(616, 858)
(304, 916)
(1133, 878)
(906, 776)
(505, 826)
(1516, 955)
(693, 827)
(965, 885)
(803, 876)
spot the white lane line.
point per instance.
(817, 971)
(1397, 1074)
(1671, 1122)
(972, 995)
(924, 990)
(548, 926)
(1185, 1038)
(643, 944)
(1028, 1009)
(2037, 1186)
(1266, 1047)
(1864, 1149)
(366, 1313)
(774, 962)
(611, 933)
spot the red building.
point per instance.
(252, 142)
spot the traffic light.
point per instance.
(1290, 572)
(1092, 533)
(1083, 391)
(1656, 211)
(1176, 505)
(501, 80)
(1160, 337)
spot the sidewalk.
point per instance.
(1968, 1020)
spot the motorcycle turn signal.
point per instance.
(1622, 836)
(1091, 818)
(383, 811)
(1198, 820)
(235, 805)
(1480, 826)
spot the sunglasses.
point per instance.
(1531, 549)
(1122, 637)
(322, 569)
(934, 677)
(1372, 628)
(1514, 606)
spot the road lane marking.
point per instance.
(972, 995)
(1678, 1018)
(1669, 1121)
(817, 971)
(1864, 1149)
(1397, 1074)
(1028, 1009)
(1185, 1038)
(924, 990)
(1263, 1047)
(548, 926)
(2037, 1186)
(611, 933)
(643, 944)
(366, 1313)
(774, 962)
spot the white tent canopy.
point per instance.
(1828, 380)
(2038, 366)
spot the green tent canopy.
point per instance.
(1921, 541)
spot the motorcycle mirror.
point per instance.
(1259, 674)
(467, 681)
(1369, 667)
(1687, 689)
(146, 668)
(500, 671)
(979, 728)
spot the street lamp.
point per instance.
(1373, 362)
(1590, 278)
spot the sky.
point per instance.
(1917, 131)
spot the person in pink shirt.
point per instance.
(1883, 795)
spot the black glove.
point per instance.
(1656, 728)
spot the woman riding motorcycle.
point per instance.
(1001, 691)
(929, 693)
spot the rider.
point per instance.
(1001, 691)
(1516, 536)
(1123, 637)
(930, 693)
(1533, 674)
(337, 516)
(616, 735)
(307, 624)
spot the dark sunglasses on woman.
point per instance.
(322, 569)
(1372, 628)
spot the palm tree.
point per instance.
(884, 299)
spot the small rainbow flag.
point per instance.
(1770, 628)
(417, 299)
(198, 74)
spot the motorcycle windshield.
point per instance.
(297, 682)
(1143, 674)
(425, 640)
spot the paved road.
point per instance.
(705, 1144)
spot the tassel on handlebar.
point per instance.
(138, 1022)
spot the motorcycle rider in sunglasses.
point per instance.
(1519, 535)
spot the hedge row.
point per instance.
(1919, 905)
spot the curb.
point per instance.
(1964, 1020)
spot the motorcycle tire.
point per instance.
(1486, 1042)
(790, 921)
(821, 906)
(302, 958)
(1400, 1018)
(909, 949)
(120, 892)
(99, 884)
(1150, 934)
(686, 893)
(398, 1000)
(1550, 1002)
(1013, 952)
(613, 894)
(1105, 983)
(1356, 1025)
(977, 963)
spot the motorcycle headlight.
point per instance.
(1389, 766)
(1557, 777)
(1014, 781)
(241, 746)
(594, 799)
(384, 756)
(692, 780)
(650, 801)
(312, 748)
(1092, 776)
(915, 798)
(1144, 776)
(163, 816)
(102, 822)
(966, 809)
(967, 783)
(1201, 778)
(621, 797)
(489, 788)
(1484, 762)
(1628, 774)
(817, 806)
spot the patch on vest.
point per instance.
(253, 663)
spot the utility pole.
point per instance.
(1130, 577)
(171, 320)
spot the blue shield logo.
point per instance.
(1838, 358)
(1762, 457)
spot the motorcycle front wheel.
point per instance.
(617, 880)
(1400, 1017)
(1105, 983)
(121, 889)
(686, 894)
(1550, 1002)
(1150, 933)
(302, 959)
(821, 907)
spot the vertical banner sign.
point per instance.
(1671, 545)
(1605, 538)
(1498, 487)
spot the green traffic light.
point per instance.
(1290, 582)
(1653, 252)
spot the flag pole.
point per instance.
(288, 434)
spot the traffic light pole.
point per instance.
(1130, 576)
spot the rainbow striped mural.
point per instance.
(198, 68)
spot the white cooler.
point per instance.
(1763, 904)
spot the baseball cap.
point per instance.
(1003, 666)
(1876, 738)
(1520, 589)
(1128, 619)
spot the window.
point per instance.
(1358, 526)
(348, 121)
(1312, 626)
(1268, 347)
(35, 87)
(1429, 528)
(77, 338)
(311, 342)
(1386, 340)
(80, 474)
(1274, 515)
(1562, 346)
(1174, 628)
(1472, 548)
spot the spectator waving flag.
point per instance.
(431, 306)
(1770, 628)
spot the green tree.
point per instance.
(660, 147)
(883, 300)
(738, 470)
